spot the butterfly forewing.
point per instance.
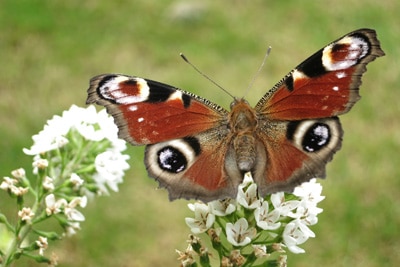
(149, 112)
(326, 84)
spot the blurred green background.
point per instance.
(50, 49)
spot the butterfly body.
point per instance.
(197, 149)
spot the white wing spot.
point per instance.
(132, 107)
(298, 75)
(175, 95)
(335, 88)
(140, 119)
(341, 74)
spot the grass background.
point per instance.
(50, 49)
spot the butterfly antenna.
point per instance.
(259, 69)
(204, 75)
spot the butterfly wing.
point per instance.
(187, 136)
(195, 167)
(327, 83)
(297, 117)
(149, 112)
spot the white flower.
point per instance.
(42, 244)
(78, 201)
(76, 181)
(46, 141)
(26, 214)
(39, 164)
(223, 207)
(10, 184)
(310, 195)
(203, 218)
(186, 257)
(247, 193)
(296, 233)
(110, 167)
(19, 191)
(306, 213)
(239, 234)
(72, 228)
(247, 179)
(260, 251)
(265, 220)
(72, 213)
(285, 208)
(53, 206)
(18, 173)
(309, 191)
(48, 183)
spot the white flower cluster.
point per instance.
(76, 156)
(91, 126)
(247, 219)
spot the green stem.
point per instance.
(15, 244)
(21, 232)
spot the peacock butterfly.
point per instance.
(197, 149)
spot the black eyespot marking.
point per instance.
(159, 93)
(289, 82)
(338, 47)
(171, 159)
(186, 100)
(193, 142)
(313, 67)
(131, 82)
(316, 137)
(291, 129)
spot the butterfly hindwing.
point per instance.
(194, 167)
(296, 152)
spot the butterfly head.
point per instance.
(237, 102)
(242, 116)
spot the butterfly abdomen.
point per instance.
(243, 126)
(244, 145)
